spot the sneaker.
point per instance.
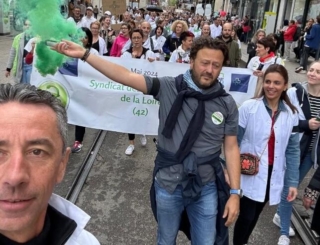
(303, 72)
(284, 240)
(276, 221)
(77, 146)
(143, 140)
(298, 69)
(129, 150)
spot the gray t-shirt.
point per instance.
(221, 118)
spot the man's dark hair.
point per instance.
(267, 42)
(318, 19)
(28, 94)
(210, 43)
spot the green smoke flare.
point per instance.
(48, 24)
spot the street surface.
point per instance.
(116, 194)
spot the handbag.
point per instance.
(250, 163)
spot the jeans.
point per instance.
(285, 207)
(202, 214)
(26, 73)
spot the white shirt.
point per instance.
(86, 22)
(255, 62)
(215, 30)
(158, 44)
(78, 24)
(148, 54)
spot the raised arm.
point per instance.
(113, 71)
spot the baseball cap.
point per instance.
(90, 8)
(107, 13)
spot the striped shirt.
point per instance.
(314, 109)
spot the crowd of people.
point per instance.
(188, 172)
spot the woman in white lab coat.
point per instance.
(268, 129)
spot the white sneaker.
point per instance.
(284, 240)
(143, 140)
(276, 221)
(129, 150)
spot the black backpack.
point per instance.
(297, 34)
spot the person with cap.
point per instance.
(108, 13)
(88, 19)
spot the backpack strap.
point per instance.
(275, 61)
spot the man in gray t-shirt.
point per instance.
(196, 117)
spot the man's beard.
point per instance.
(196, 79)
(226, 37)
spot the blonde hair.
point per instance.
(95, 23)
(183, 23)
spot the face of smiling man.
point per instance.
(32, 162)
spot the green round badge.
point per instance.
(217, 117)
(57, 90)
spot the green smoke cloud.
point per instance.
(48, 24)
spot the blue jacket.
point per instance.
(313, 39)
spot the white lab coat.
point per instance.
(80, 236)
(256, 121)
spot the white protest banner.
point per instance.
(93, 100)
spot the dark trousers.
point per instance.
(250, 211)
(305, 57)
(132, 136)
(79, 132)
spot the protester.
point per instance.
(205, 30)
(173, 191)
(236, 39)
(88, 18)
(312, 43)
(137, 51)
(120, 40)
(215, 28)
(233, 47)
(265, 57)
(173, 41)
(33, 160)
(288, 38)
(107, 33)
(268, 129)
(17, 54)
(159, 40)
(182, 53)
(252, 46)
(76, 18)
(79, 130)
(306, 98)
(311, 196)
(98, 42)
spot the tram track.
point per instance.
(85, 168)
(303, 227)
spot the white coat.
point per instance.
(80, 236)
(255, 119)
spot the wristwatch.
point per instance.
(236, 192)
